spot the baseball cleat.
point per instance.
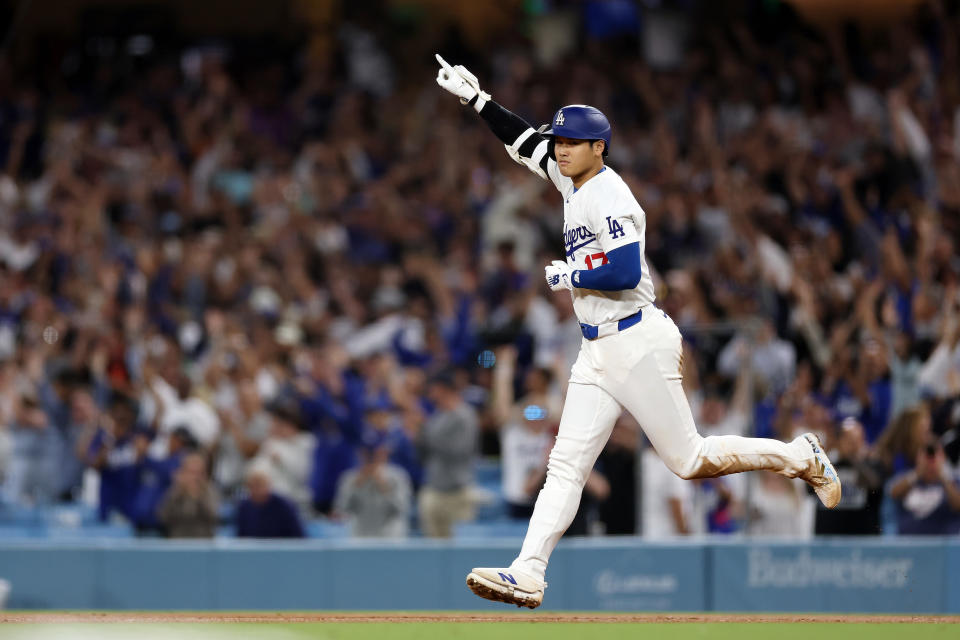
(821, 475)
(506, 585)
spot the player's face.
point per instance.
(576, 157)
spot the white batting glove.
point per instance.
(461, 83)
(559, 275)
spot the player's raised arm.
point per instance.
(524, 143)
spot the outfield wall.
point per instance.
(619, 574)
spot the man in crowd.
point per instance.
(447, 444)
(859, 510)
(189, 508)
(263, 513)
(375, 497)
(928, 496)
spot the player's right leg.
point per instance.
(652, 392)
(589, 414)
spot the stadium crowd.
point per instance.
(311, 284)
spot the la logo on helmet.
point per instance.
(559, 121)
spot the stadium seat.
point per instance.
(488, 472)
(92, 531)
(16, 514)
(507, 528)
(69, 515)
(326, 529)
(20, 531)
(490, 503)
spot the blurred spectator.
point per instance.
(904, 363)
(719, 504)
(154, 475)
(331, 403)
(556, 333)
(116, 451)
(376, 498)
(862, 390)
(189, 508)
(772, 359)
(718, 411)
(667, 500)
(8, 407)
(898, 446)
(940, 374)
(617, 462)
(904, 373)
(175, 405)
(84, 418)
(927, 496)
(245, 426)
(527, 430)
(263, 513)
(286, 453)
(384, 429)
(862, 478)
(33, 473)
(779, 507)
(447, 444)
(6, 451)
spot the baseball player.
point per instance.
(630, 357)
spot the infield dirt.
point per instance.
(414, 617)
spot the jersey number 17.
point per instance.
(596, 256)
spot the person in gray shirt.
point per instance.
(376, 497)
(447, 445)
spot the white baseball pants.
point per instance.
(637, 369)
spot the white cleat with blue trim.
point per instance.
(821, 475)
(506, 585)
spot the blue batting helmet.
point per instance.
(580, 122)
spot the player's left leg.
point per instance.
(650, 389)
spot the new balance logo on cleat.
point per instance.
(504, 585)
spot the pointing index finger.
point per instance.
(443, 63)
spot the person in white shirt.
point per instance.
(287, 453)
(667, 503)
(526, 430)
(175, 406)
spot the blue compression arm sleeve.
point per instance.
(622, 271)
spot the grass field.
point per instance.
(469, 626)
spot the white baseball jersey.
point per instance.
(599, 217)
(637, 369)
